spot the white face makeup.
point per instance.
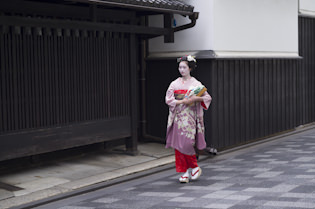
(184, 69)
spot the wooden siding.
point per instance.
(306, 71)
(61, 80)
(252, 98)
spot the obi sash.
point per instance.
(180, 94)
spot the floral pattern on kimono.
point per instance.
(185, 126)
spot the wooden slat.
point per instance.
(220, 102)
(256, 104)
(3, 123)
(248, 97)
(251, 106)
(226, 102)
(231, 109)
(237, 107)
(269, 96)
(242, 102)
(214, 137)
(266, 81)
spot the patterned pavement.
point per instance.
(274, 175)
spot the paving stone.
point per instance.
(39, 184)
(182, 199)
(289, 204)
(106, 200)
(304, 189)
(241, 207)
(76, 207)
(268, 174)
(219, 206)
(4, 194)
(161, 194)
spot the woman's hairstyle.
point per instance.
(190, 60)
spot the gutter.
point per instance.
(168, 18)
(193, 17)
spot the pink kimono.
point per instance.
(185, 126)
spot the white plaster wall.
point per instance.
(307, 7)
(238, 27)
(256, 25)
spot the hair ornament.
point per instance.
(191, 58)
(188, 58)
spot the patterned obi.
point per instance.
(180, 94)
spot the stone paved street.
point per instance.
(273, 175)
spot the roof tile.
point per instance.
(166, 4)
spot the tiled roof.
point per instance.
(175, 5)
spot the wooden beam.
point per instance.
(168, 19)
(26, 143)
(84, 25)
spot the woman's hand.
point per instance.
(195, 98)
(178, 102)
(190, 100)
(184, 101)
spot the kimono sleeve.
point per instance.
(206, 100)
(170, 98)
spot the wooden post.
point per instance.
(132, 142)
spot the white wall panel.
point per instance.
(256, 25)
(238, 27)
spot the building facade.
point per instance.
(256, 57)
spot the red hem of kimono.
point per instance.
(184, 162)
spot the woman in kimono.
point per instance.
(185, 126)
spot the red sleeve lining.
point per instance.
(203, 105)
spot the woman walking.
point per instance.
(185, 126)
